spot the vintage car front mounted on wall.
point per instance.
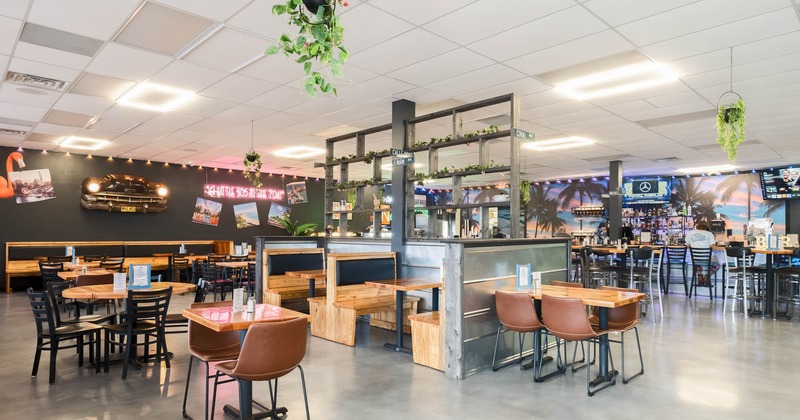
(123, 193)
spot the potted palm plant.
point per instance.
(295, 228)
(319, 38)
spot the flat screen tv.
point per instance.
(646, 191)
(780, 183)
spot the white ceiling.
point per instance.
(437, 53)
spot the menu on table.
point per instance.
(140, 276)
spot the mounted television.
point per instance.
(780, 183)
(646, 191)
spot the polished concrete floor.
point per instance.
(699, 364)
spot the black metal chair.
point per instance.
(145, 313)
(61, 305)
(214, 280)
(51, 337)
(640, 275)
(702, 272)
(94, 258)
(59, 258)
(738, 267)
(593, 275)
(49, 272)
(787, 288)
(113, 264)
(179, 268)
(675, 256)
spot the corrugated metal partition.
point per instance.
(473, 273)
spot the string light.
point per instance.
(110, 159)
(67, 154)
(44, 152)
(148, 162)
(89, 157)
(19, 149)
(130, 160)
(166, 163)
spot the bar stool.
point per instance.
(738, 267)
(675, 256)
(787, 287)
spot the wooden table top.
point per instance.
(773, 251)
(106, 291)
(234, 264)
(72, 275)
(405, 284)
(222, 318)
(308, 274)
(594, 297)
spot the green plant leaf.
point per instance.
(272, 49)
(278, 9)
(307, 67)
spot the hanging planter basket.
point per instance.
(730, 124)
(252, 168)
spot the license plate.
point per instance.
(128, 209)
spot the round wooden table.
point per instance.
(106, 291)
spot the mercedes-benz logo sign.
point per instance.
(644, 187)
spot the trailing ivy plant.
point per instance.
(252, 168)
(319, 38)
(524, 192)
(730, 127)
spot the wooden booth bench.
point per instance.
(428, 346)
(277, 285)
(334, 316)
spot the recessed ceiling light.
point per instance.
(707, 169)
(559, 143)
(298, 152)
(618, 80)
(155, 97)
(84, 143)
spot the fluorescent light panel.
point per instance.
(84, 143)
(298, 152)
(707, 169)
(558, 143)
(618, 80)
(155, 97)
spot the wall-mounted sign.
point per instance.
(236, 192)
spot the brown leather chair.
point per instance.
(622, 319)
(270, 351)
(52, 337)
(566, 284)
(208, 346)
(516, 312)
(566, 318)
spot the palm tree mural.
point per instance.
(580, 190)
(771, 206)
(687, 193)
(731, 184)
(706, 209)
(543, 210)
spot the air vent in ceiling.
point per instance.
(666, 159)
(12, 132)
(608, 158)
(35, 81)
(288, 168)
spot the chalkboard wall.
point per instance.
(63, 219)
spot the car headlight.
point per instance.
(93, 187)
(162, 191)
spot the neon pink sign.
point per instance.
(235, 192)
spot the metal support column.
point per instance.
(402, 110)
(614, 199)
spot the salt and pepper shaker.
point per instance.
(251, 304)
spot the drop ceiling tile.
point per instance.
(22, 112)
(162, 29)
(420, 96)
(175, 120)
(549, 31)
(257, 18)
(311, 127)
(244, 113)
(216, 10)
(417, 45)
(217, 52)
(51, 56)
(617, 12)
(184, 75)
(368, 26)
(9, 30)
(237, 88)
(759, 68)
(185, 136)
(419, 12)
(695, 17)
(560, 119)
(441, 67)
(280, 98)
(722, 37)
(275, 69)
(14, 8)
(627, 107)
(520, 87)
(151, 130)
(128, 63)
(472, 23)
(70, 119)
(320, 107)
(55, 129)
(111, 125)
(97, 19)
(205, 107)
(83, 104)
(12, 93)
(674, 99)
(20, 65)
(132, 139)
(106, 87)
(213, 125)
(278, 121)
(487, 76)
(581, 50)
(132, 115)
(372, 91)
(44, 138)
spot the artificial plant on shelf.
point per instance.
(252, 168)
(730, 127)
(295, 228)
(319, 38)
(524, 192)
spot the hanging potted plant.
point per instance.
(252, 168)
(730, 127)
(319, 38)
(524, 192)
